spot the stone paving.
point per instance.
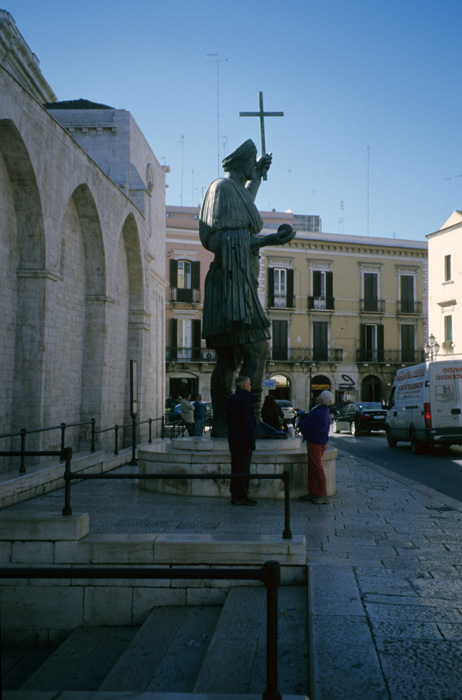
(385, 572)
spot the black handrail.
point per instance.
(269, 574)
(285, 476)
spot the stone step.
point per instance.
(82, 661)
(167, 651)
(208, 651)
(238, 647)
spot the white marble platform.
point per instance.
(193, 455)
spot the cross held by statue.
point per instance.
(262, 114)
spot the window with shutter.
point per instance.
(280, 340)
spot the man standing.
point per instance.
(199, 415)
(240, 417)
(187, 414)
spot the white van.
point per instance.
(425, 405)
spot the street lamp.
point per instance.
(432, 348)
(310, 372)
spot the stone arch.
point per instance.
(371, 388)
(22, 241)
(319, 383)
(77, 320)
(137, 325)
(283, 388)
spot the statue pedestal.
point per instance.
(194, 455)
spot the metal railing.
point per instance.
(285, 477)
(391, 356)
(22, 453)
(24, 432)
(269, 574)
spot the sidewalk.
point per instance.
(385, 573)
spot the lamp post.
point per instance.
(432, 348)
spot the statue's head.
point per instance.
(237, 159)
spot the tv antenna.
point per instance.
(218, 61)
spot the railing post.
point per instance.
(63, 436)
(22, 468)
(272, 582)
(116, 439)
(133, 462)
(67, 510)
(287, 534)
(93, 435)
(162, 429)
(150, 431)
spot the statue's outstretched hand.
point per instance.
(264, 164)
(284, 234)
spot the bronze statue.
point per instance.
(234, 322)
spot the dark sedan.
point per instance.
(360, 418)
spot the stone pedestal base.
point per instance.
(207, 455)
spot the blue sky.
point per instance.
(370, 91)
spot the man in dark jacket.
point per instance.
(240, 418)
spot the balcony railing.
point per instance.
(281, 301)
(181, 354)
(391, 356)
(320, 303)
(185, 296)
(306, 355)
(409, 307)
(372, 306)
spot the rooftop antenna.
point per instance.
(367, 227)
(182, 168)
(218, 61)
(341, 219)
(450, 188)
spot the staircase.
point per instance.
(199, 650)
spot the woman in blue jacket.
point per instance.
(315, 429)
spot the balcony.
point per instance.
(185, 296)
(372, 306)
(186, 355)
(306, 355)
(320, 303)
(281, 301)
(407, 357)
(409, 306)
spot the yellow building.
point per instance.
(445, 287)
(345, 311)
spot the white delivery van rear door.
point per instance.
(445, 380)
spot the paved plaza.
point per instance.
(385, 572)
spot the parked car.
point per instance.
(174, 415)
(288, 410)
(360, 418)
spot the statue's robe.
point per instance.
(232, 313)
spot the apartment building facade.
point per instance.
(346, 311)
(445, 288)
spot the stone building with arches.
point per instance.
(82, 258)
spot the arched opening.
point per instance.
(76, 309)
(131, 309)
(318, 383)
(371, 388)
(282, 388)
(22, 266)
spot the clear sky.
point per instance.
(370, 90)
